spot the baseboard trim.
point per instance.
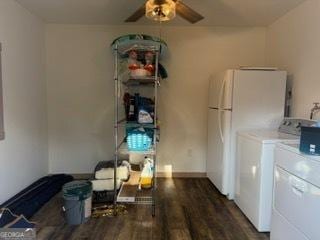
(181, 175)
(80, 176)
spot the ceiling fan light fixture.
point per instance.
(160, 10)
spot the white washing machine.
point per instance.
(254, 169)
(296, 200)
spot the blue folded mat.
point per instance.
(20, 222)
(6, 217)
(31, 199)
(10, 220)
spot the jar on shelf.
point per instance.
(149, 57)
(133, 63)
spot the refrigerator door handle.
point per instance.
(220, 127)
(220, 110)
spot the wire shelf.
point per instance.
(123, 149)
(130, 192)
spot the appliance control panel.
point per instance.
(293, 125)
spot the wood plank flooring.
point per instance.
(186, 209)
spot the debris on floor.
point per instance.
(109, 211)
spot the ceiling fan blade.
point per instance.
(137, 14)
(187, 13)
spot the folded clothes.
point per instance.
(104, 184)
(108, 173)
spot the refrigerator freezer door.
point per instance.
(258, 99)
(220, 90)
(219, 148)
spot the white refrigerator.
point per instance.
(240, 100)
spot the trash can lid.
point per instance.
(81, 189)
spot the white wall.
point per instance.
(293, 43)
(23, 153)
(80, 90)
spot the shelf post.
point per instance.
(156, 80)
(116, 113)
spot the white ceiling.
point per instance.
(216, 12)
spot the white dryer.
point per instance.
(296, 200)
(254, 169)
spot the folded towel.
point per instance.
(105, 185)
(108, 173)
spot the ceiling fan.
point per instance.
(165, 10)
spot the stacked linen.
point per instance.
(103, 184)
(108, 173)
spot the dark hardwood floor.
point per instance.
(186, 209)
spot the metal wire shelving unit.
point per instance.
(137, 196)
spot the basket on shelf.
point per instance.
(139, 139)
